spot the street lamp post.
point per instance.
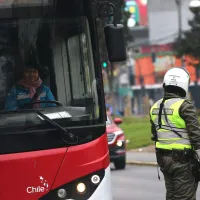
(178, 3)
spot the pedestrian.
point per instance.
(176, 133)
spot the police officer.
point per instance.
(176, 132)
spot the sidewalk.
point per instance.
(143, 156)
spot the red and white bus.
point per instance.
(55, 152)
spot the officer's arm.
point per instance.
(153, 131)
(189, 115)
(11, 100)
(152, 126)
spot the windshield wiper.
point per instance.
(70, 136)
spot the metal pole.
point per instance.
(178, 3)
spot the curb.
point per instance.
(135, 162)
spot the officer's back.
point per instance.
(176, 132)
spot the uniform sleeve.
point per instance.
(11, 100)
(153, 130)
(189, 115)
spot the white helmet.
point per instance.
(178, 77)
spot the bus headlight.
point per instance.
(95, 179)
(81, 187)
(62, 193)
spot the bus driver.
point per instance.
(28, 88)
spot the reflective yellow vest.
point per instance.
(171, 121)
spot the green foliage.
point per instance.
(189, 44)
(137, 131)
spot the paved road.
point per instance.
(138, 183)
(141, 156)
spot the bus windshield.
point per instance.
(46, 63)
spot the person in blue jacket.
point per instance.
(23, 92)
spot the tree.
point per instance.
(189, 44)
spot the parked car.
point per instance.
(116, 142)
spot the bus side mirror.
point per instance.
(114, 36)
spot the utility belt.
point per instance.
(186, 155)
(176, 154)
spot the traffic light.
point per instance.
(105, 64)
